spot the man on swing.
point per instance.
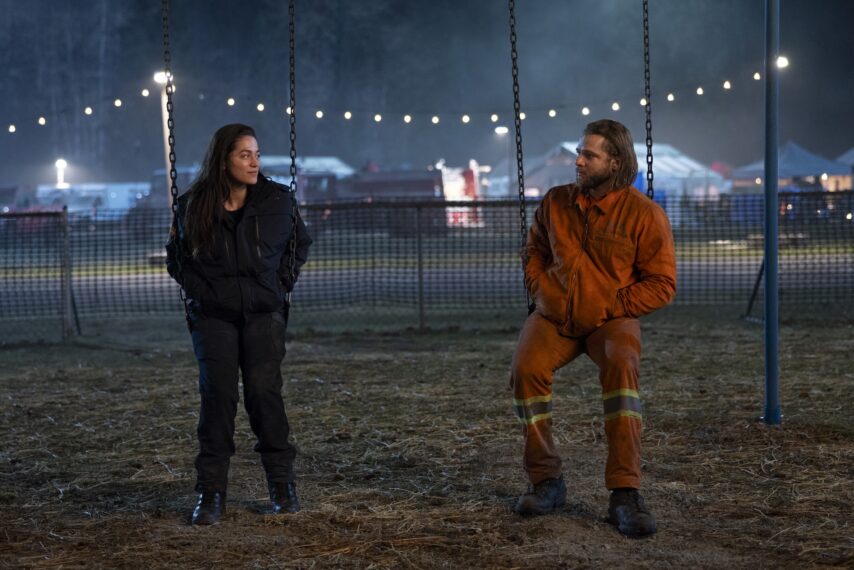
(600, 255)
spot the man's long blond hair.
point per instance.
(619, 144)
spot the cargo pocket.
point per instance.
(278, 326)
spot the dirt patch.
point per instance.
(410, 455)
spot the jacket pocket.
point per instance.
(269, 236)
(267, 296)
(550, 296)
(592, 303)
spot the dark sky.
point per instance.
(444, 57)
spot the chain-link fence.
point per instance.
(408, 265)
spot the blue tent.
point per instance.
(793, 161)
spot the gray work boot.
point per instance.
(627, 511)
(543, 498)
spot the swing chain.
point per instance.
(520, 166)
(292, 120)
(170, 124)
(647, 92)
(170, 121)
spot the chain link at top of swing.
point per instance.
(647, 92)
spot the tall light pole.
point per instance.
(772, 414)
(503, 132)
(160, 79)
(61, 165)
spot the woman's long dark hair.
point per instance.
(210, 189)
(619, 144)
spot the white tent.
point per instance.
(676, 176)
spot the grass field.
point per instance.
(410, 455)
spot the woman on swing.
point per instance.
(234, 250)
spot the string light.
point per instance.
(288, 110)
(781, 62)
(758, 181)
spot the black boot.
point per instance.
(209, 509)
(543, 498)
(284, 498)
(627, 511)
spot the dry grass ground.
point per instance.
(410, 455)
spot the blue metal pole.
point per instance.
(772, 415)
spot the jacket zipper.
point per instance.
(257, 239)
(574, 272)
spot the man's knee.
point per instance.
(529, 371)
(622, 360)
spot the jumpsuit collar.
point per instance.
(604, 204)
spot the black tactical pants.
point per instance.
(255, 345)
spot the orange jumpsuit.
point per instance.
(593, 268)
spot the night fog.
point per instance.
(395, 57)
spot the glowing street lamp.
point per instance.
(61, 165)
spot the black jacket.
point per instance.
(247, 270)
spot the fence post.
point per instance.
(372, 228)
(420, 252)
(65, 278)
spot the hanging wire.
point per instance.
(647, 92)
(520, 166)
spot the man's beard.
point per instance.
(592, 181)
